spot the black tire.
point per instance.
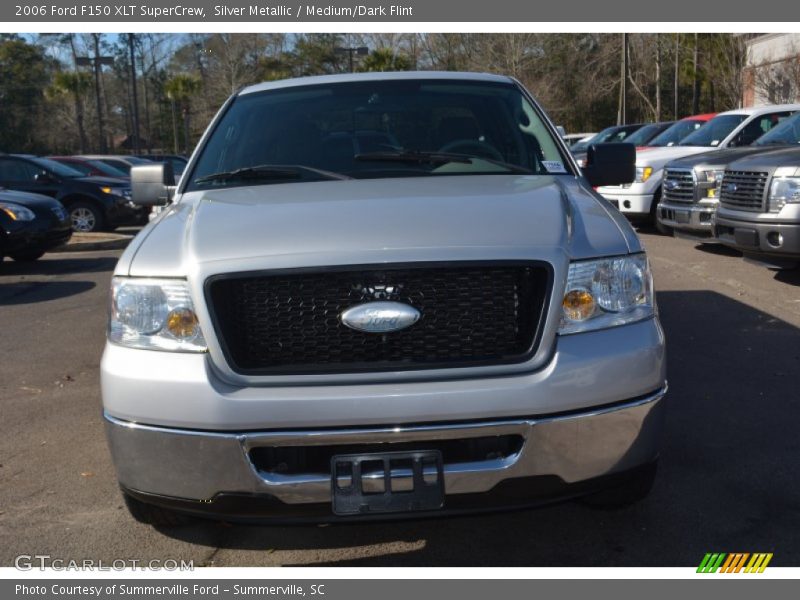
(29, 256)
(660, 227)
(85, 217)
(626, 492)
(150, 514)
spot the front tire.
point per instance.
(29, 256)
(85, 217)
(150, 514)
(627, 492)
(660, 227)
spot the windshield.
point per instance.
(786, 133)
(713, 132)
(641, 136)
(57, 168)
(615, 133)
(674, 134)
(376, 129)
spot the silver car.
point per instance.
(381, 294)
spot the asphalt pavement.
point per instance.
(729, 478)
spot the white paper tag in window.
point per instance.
(553, 166)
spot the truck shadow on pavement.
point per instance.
(59, 266)
(727, 481)
(717, 250)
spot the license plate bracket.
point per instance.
(681, 216)
(390, 482)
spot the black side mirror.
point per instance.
(610, 164)
(152, 185)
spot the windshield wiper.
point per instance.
(267, 172)
(436, 158)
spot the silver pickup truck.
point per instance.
(377, 295)
(759, 211)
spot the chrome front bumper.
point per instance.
(694, 219)
(198, 465)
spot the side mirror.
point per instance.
(561, 131)
(152, 185)
(610, 164)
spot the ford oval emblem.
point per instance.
(731, 188)
(671, 184)
(380, 317)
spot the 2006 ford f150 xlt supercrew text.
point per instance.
(382, 295)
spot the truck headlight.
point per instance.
(713, 177)
(642, 174)
(606, 293)
(783, 191)
(154, 314)
(17, 212)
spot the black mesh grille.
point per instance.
(286, 323)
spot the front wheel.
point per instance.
(85, 217)
(660, 227)
(28, 256)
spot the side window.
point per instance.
(759, 126)
(16, 170)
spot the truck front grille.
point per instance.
(678, 185)
(288, 322)
(744, 190)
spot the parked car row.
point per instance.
(746, 198)
(734, 179)
(44, 199)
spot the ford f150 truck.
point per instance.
(690, 190)
(759, 212)
(380, 294)
(729, 129)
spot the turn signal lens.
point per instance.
(182, 323)
(578, 305)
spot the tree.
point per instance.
(76, 85)
(180, 90)
(24, 74)
(385, 59)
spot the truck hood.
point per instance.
(768, 159)
(718, 158)
(379, 220)
(658, 157)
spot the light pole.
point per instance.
(97, 63)
(136, 147)
(360, 51)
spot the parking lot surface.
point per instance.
(728, 479)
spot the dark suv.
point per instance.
(93, 203)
